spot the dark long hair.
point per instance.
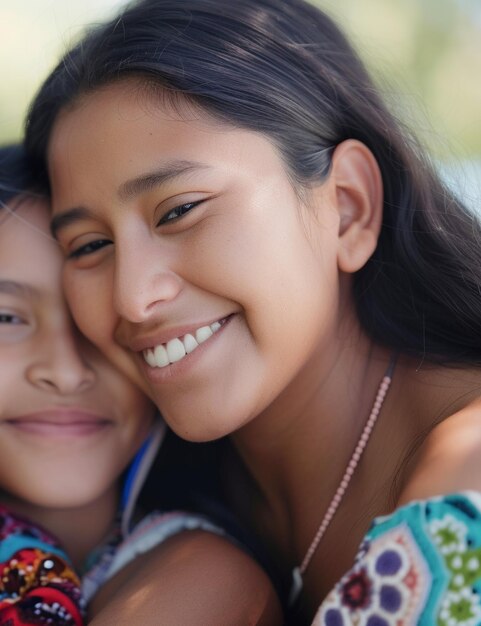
(283, 68)
(15, 176)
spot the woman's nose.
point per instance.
(142, 282)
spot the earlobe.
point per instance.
(357, 180)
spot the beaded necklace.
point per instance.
(299, 571)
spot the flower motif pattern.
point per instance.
(448, 534)
(38, 587)
(460, 607)
(422, 564)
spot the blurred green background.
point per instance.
(425, 54)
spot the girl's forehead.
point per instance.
(26, 216)
(27, 248)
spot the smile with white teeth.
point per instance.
(176, 349)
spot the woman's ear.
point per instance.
(358, 195)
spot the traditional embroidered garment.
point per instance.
(420, 565)
(40, 588)
(37, 584)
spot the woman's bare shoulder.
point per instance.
(449, 460)
(195, 577)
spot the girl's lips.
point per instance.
(60, 423)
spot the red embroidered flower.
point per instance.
(356, 590)
(39, 607)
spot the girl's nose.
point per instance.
(60, 366)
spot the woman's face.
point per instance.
(190, 260)
(69, 421)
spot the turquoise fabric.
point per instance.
(419, 565)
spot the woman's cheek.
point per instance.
(90, 302)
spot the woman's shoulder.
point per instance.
(449, 460)
(420, 564)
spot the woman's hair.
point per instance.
(284, 69)
(15, 176)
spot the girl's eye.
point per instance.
(10, 318)
(178, 212)
(15, 327)
(89, 248)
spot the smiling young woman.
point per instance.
(210, 211)
(77, 443)
(252, 237)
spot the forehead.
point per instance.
(127, 112)
(25, 219)
(27, 251)
(121, 131)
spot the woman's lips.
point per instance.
(60, 423)
(176, 349)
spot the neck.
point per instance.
(306, 437)
(326, 405)
(78, 529)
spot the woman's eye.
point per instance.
(178, 212)
(89, 248)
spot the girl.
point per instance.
(70, 424)
(272, 258)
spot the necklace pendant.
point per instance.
(296, 586)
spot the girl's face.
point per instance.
(69, 421)
(190, 260)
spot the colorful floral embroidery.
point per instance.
(448, 534)
(383, 587)
(460, 607)
(461, 604)
(420, 565)
(37, 586)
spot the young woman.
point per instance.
(272, 258)
(70, 425)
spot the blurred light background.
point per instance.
(425, 55)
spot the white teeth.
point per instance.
(202, 334)
(176, 349)
(190, 343)
(161, 358)
(149, 356)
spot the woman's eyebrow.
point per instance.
(149, 181)
(130, 189)
(70, 216)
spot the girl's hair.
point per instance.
(283, 68)
(15, 176)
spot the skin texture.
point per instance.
(46, 365)
(49, 369)
(205, 580)
(292, 376)
(156, 281)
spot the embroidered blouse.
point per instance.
(37, 582)
(38, 585)
(420, 565)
